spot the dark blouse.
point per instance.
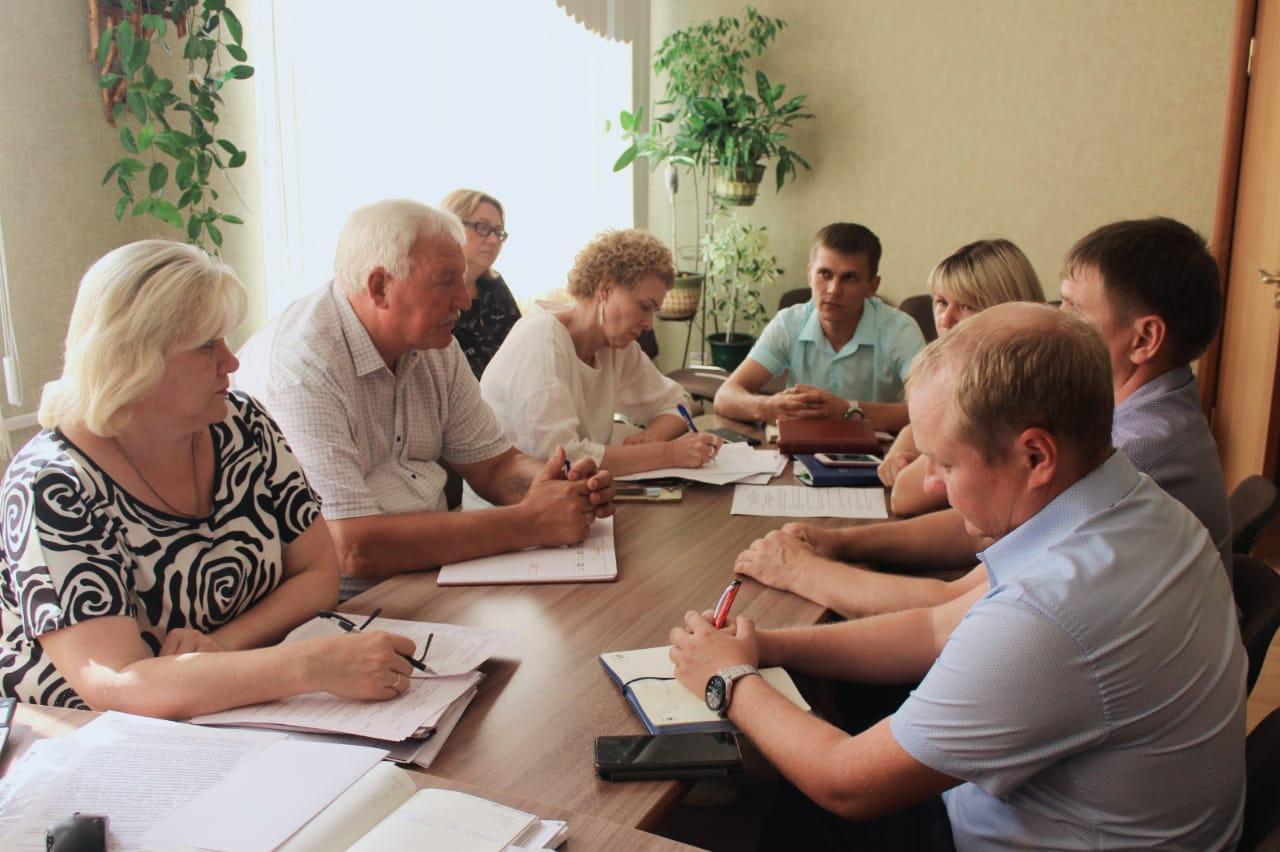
(481, 330)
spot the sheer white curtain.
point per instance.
(404, 98)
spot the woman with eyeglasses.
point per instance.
(482, 328)
(561, 376)
(971, 279)
(159, 536)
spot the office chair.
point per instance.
(797, 296)
(1257, 593)
(1262, 786)
(1254, 504)
(920, 309)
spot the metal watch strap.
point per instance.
(731, 674)
(853, 409)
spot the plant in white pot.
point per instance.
(739, 267)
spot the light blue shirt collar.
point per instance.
(1163, 384)
(1102, 487)
(863, 335)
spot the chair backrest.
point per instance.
(1257, 593)
(1262, 786)
(1254, 504)
(920, 309)
(648, 343)
(794, 297)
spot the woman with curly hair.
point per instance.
(561, 376)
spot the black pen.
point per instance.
(350, 627)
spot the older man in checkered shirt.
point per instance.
(371, 390)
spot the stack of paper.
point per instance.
(411, 728)
(590, 561)
(735, 462)
(798, 501)
(165, 785)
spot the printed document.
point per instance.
(736, 462)
(798, 501)
(591, 560)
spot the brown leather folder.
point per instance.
(854, 435)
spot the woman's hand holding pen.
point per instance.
(369, 666)
(693, 449)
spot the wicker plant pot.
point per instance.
(682, 300)
(737, 187)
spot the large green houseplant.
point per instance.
(739, 267)
(169, 121)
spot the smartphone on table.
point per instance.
(626, 493)
(848, 459)
(668, 756)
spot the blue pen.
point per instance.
(684, 412)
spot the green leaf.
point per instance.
(237, 160)
(106, 81)
(126, 39)
(154, 22)
(628, 156)
(203, 164)
(158, 178)
(130, 166)
(122, 204)
(237, 53)
(127, 140)
(233, 25)
(141, 48)
(231, 220)
(104, 45)
(186, 168)
(226, 145)
(143, 206)
(165, 211)
(146, 135)
(137, 105)
(193, 228)
(115, 167)
(240, 72)
(214, 233)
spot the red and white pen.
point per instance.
(725, 603)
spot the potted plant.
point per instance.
(739, 266)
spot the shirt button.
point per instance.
(413, 476)
(397, 439)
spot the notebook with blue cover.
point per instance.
(647, 679)
(818, 475)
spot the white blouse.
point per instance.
(545, 396)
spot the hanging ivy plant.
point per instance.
(169, 126)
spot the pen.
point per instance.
(725, 603)
(684, 412)
(350, 627)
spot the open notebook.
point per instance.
(590, 561)
(384, 810)
(647, 678)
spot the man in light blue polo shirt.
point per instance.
(1091, 698)
(845, 349)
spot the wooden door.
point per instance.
(1246, 420)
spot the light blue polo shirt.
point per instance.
(1094, 698)
(871, 367)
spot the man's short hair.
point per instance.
(382, 235)
(1021, 365)
(848, 239)
(1156, 266)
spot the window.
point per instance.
(410, 99)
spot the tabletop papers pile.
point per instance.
(734, 463)
(411, 728)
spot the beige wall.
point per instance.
(54, 148)
(943, 122)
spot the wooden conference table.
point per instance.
(530, 731)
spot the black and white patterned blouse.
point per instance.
(77, 546)
(482, 327)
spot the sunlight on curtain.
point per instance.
(412, 99)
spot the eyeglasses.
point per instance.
(484, 229)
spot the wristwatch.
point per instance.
(854, 410)
(720, 687)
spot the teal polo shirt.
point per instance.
(871, 367)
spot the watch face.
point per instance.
(715, 693)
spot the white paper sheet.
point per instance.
(266, 798)
(138, 771)
(422, 705)
(431, 748)
(734, 463)
(592, 560)
(362, 806)
(448, 819)
(798, 501)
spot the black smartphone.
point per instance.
(668, 756)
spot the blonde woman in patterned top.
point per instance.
(159, 535)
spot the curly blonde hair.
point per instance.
(620, 259)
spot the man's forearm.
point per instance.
(738, 403)
(935, 540)
(886, 416)
(506, 483)
(856, 592)
(375, 547)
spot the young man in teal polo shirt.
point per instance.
(847, 351)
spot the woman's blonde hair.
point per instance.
(463, 202)
(620, 258)
(987, 273)
(136, 306)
